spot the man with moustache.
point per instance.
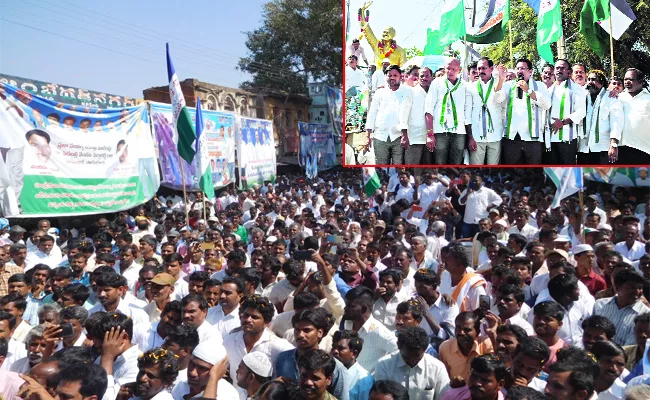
(635, 145)
(414, 139)
(387, 117)
(448, 116)
(568, 110)
(548, 75)
(579, 74)
(603, 124)
(524, 117)
(487, 107)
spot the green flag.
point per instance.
(593, 12)
(452, 22)
(492, 32)
(549, 28)
(433, 44)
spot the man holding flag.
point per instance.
(205, 180)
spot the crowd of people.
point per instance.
(568, 115)
(452, 284)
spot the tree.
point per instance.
(299, 41)
(412, 52)
(630, 51)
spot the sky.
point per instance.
(118, 47)
(410, 20)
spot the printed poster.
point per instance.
(256, 152)
(317, 143)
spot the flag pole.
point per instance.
(611, 38)
(582, 210)
(510, 40)
(187, 212)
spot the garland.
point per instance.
(366, 19)
(391, 50)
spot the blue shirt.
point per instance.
(341, 286)
(636, 371)
(360, 382)
(31, 310)
(85, 279)
(286, 365)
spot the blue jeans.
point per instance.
(469, 230)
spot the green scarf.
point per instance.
(485, 109)
(529, 108)
(443, 111)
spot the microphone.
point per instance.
(520, 91)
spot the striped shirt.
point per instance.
(622, 318)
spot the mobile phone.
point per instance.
(484, 302)
(334, 239)
(415, 207)
(206, 246)
(457, 182)
(66, 330)
(472, 186)
(300, 255)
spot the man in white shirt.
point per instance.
(522, 226)
(44, 254)
(478, 200)
(355, 49)
(524, 125)
(603, 123)
(354, 78)
(635, 145)
(630, 247)
(110, 289)
(385, 307)
(567, 112)
(388, 117)
(448, 110)
(404, 190)
(424, 376)
(430, 190)
(225, 316)
(414, 139)
(487, 108)
(379, 76)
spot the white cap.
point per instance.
(385, 60)
(501, 222)
(581, 248)
(210, 351)
(259, 363)
(604, 226)
(271, 239)
(562, 238)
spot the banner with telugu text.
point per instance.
(58, 159)
(255, 152)
(317, 143)
(220, 134)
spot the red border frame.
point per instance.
(344, 48)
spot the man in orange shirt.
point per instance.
(457, 353)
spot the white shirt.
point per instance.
(636, 252)
(21, 331)
(575, 109)
(224, 390)
(354, 77)
(378, 79)
(181, 289)
(207, 332)
(389, 112)
(427, 194)
(125, 370)
(224, 323)
(377, 342)
(636, 111)
(147, 339)
(609, 119)
(519, 118)
(427, 380)
(16, 351)
(386, 312)
(473, 295)
(136, 314)
(462, 100)
(131, 274)
(614, 392)
(477, 202)
(571, 330)
(404, 193)
(417, 130)
(528, 231)
(52, 260)
(358, 52)
(268, 344)
(522, 323)
(494, 105)
(441, 313)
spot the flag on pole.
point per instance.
(205, 182)
(182, 120)
(567, 180)
(432, 47)
(549, 28)
(495, 25)
(371, 181)
(452, 22)
(598, 13)
(622, 17)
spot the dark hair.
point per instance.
(412, 306)
(77, 313)
(427, 277)
(38, 132)
(237, 255)
(167, 361)
(534, 347)
(490, 62)
(459, 254)
(195, 298)
(259, 303)
(93, 320)
(393, 67)
(584, 370)
(362, 294)
(251, 275)
(607, 348)
(5, 316)
(642, 319)
(355, 343)
(549, 309)
(469, 316)
(562, 284)
(17, 278)
(304, 300)
(395, 389)
(111, 280)
(92, 377)
(516, 330)
(413, 338)
(529, 64)
(519, 239)
(173, 306)
(4, 347)
(394, 273)
(316, 359)
(516, 292)
(211, 283)
(627, 276)
(19, 301)
(600, 322)
(279, 390)
(488, 363)
(170, 258)
(184, 336)
(237, 281)
(319, 317)
(78, 291)
(114, 320)
(524, 393)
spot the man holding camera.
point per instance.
(526, 104)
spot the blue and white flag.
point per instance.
(567, 180)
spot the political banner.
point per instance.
(630, 177)
(58, 161)
(317, 143)
(255, 152)
(70, 97)
(335, 107)
(219, 132)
